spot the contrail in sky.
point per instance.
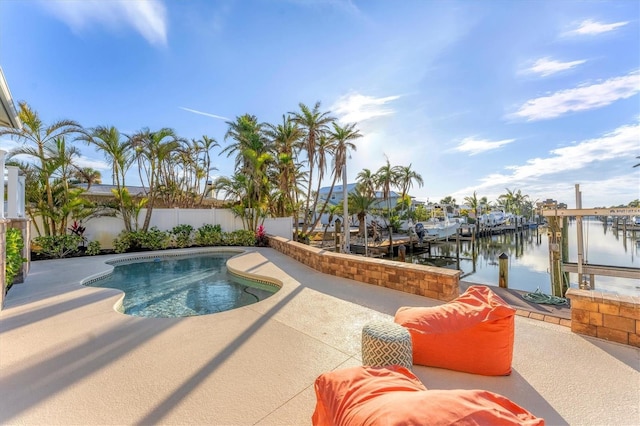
(205, 113)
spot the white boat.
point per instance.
(495, 218)
(440, 228)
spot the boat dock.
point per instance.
(381, 248)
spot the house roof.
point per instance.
(100, 189)
(8, 114)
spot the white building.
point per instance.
(336, 196)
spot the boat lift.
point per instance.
(559, 265)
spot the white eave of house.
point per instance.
(8, 114)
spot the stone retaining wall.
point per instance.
(606, 316)
(436, 283)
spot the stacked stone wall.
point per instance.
(436, 283)
(606, 316)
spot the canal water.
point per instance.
(528, 253)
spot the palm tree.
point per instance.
(333, 210)
(406, 178)
(339, 143)
(239, 190)
(485, 205)
(205, 145)
(259, 187)
(449, 202)
(513, 201)
(37, 138)
(367, 182)
(474, 203)
(342, 137)
(152, 150)
(118, 152)
(247, 133)
(87, 175)
(286, 143)
(253, 151)
(360, 203)
(385, 178)
(116, 149)
(313, 124)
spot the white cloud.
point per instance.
(83, 161)
(148, 17)
(9, 145)
(590, 27)
(616, 144)
(581, 98)
(542, 174)
(547, 66)
(345, 5)
(205, 113)
(476, 146)
(354, 107)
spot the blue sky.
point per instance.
(475, 95)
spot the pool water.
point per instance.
(182, 287)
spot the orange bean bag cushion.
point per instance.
(394, 396)
(339, 393)
(472, 333)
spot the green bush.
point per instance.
(239, 238)
(209, 235)
(93, 248)
(153, 239)
(182, 236)
(14, 258)
(58, 246)
(123, 242)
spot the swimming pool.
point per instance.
(183, 286)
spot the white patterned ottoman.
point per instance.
(386, 343)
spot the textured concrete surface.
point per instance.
(67, 357)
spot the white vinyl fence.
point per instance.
(106, 229)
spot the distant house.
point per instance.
(99, 192)
(336, 196)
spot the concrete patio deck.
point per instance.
(67, 357)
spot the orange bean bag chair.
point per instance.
(472, 333)
(394, 396)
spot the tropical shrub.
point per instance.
(395, 223)
(58, 246)
(93, 248)
(14, 259)
(261, 237)
(78, 229)
(153, 239)
(123, 242)
(240, 237)
(209, 235)
(206, 235)
(182, 236)
(301, 237)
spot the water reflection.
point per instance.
(528, 252)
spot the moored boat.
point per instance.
(441, 229)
